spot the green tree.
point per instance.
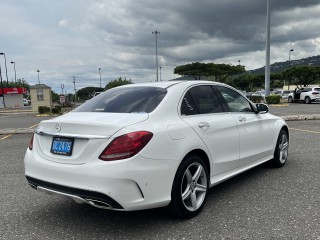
(302, 75)
(55, 96)
(117, 82)
(87, 92)
(220, 72)
(195, 70)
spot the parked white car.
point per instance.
(26, 102)
(151, 145)
(306, 94)
(283, 93)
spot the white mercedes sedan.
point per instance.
(152, 145)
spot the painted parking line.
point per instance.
(6, 136)
(302, 130)
(9, 135)
(34, 125)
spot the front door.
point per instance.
(202, 110)
(254, 129)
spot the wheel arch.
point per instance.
(285, 128)
(203, 155)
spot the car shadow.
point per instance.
(57, 212)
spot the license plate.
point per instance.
(62, 146)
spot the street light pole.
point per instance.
(239, 62)
(5, 64)
(156, 32)
(160, 74)
(15, 73)
(290, 51)
(4, 104)
(38, 76)
(100, 75)
(267, 68)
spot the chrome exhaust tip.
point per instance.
(98, 204)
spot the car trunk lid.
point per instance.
(85, 133)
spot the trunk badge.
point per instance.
(58, 127)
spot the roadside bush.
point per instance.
(256, 99)
(67, 104)
(273, 99)
(56, 110)
(43, 109)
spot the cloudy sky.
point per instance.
(66, 38)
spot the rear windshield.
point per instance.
(125, 100)
(317, 89)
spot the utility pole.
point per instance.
(75, 91)
(156, 32)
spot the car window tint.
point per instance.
(317, 89)
(235, 101)
(205, 99)
(188, 106)
(125, 100)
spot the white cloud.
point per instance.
(73, 38)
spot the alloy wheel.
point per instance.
(283, 148)
(194, 186)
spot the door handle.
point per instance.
(203, 125)
(242, 119)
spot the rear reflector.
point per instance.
(126, 146)
(315, 93)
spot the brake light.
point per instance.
(315, 93)
(31, 143)
(126, 146)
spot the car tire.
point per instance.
(307, 100)
(281, 150)
(290, 99)
(190, 186)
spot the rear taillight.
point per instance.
(315, 93)
(31, 143)
(126, 146)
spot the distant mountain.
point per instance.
(280, 66)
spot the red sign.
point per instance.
(13, 90)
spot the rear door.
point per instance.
(202, 110)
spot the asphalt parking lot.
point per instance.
(263, 203)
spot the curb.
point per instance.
(301, 117)
(16, 131)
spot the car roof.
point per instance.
(167, 84)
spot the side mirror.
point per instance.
(262, 108)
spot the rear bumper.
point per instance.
(133, 184)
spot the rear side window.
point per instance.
(188, 107)
(200, 100)
(125, 100)
(317, 89)
(307, 89)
